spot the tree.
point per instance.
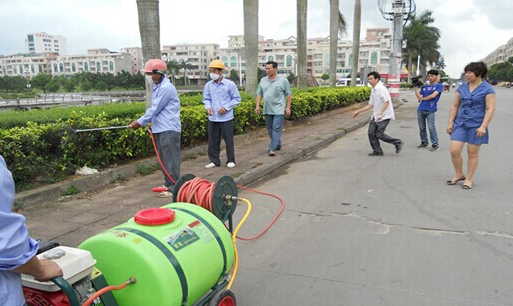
(250, 8)
(357, 21)
(40, 80)
(325, 77)
(149, 29)
(53, 86)
(421, 39)
(302, 7)
(70, 84)
(185, 65)
(337, 27)
(173, 67)
(234, 76)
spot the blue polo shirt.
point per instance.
(275, 94)
(472, 105)
(223, 94)
(426, 90)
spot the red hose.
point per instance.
(107, 289)
(199, 191)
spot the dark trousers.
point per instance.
(216, 130)
(377, 132)
(168, 146)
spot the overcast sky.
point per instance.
(470, 29)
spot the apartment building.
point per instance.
(197, 56)
(95, 61)
(27, 65)
(42, 42)
(501, 54)
(136, 58)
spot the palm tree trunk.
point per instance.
(334, 19)
(251, 45)
(356, 40)
(302, 6)
(410, 67)
(149, 28)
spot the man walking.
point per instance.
(164, 114)
(383, 111)
(277, 95)
(220, 96)
(428, 97)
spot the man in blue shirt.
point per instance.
(277, 95)
(17, 249)
(164, 114)
(220, 96)
(428, 97)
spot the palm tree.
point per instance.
(356, 39)
(338, 26)
(421, 39)
(149, 29)
(302, 6)
(173, 67)
(251, 45)
(185, 65)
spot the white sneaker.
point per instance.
(165, 194)
(230, 165)
(209, 166)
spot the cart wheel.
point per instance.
(223, 298)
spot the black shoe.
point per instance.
(422, 145)
(375, 154)
(434, 148)
(399, 147)
(278, 148)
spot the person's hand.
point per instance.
(287, 111)
(380, 116)
(210, 111)
(355, 113)
(449, 128)
(257, 110)
(221, 110)
(48, 270)
(135, 125)
(480, 132)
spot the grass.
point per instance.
(71, 190)
(119, 178)
(149, 169)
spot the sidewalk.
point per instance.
(70, 220)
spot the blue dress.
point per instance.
(471, 113)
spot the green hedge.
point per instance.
(48, 149)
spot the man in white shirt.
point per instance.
(383, 111)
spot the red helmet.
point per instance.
(155, 66)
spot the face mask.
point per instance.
(214, 76)
(149, 78)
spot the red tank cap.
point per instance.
(154, 216)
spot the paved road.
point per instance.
(361, 230)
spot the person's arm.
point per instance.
(234, 98)
(260, 94)
(382, 110)
(366, 107)
(417, 94)
(490, 109)
(289, 104)
(41, 269)
(452, 113)
(207, 100)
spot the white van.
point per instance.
(347, 82)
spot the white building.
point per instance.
(136, 58)
(95, 61)
(500, 55)
(46, 43)
(198, 56)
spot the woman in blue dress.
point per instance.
(469, 117)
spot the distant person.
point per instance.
(220, 97)
(428, 97)
(383, 111)
(164, 114)
(277, 95)
(17, 249)
(469, 117)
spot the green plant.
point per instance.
(119, 178)
(71, 190)
(148, 169)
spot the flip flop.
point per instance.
(465, 186)
(451, 182)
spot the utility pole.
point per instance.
(394, 71)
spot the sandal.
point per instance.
(465, 186)
(451, 182)
(271, 153)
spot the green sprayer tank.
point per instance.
(177, 253)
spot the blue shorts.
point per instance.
(468, 135)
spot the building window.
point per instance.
(61, 67)
(270, 58)
(86, 66)
(111, 66)
(289, 61)
(225, 60)
(233, 61)
(374, 58)
(55, 68)
(73, 67)
(98, 67)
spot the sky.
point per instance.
(470, 29)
